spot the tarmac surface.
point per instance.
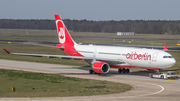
(144, 87)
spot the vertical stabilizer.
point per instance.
(63, 34)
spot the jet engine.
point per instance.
(101, 67)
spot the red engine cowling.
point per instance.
(101, 67)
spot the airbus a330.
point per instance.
(102, 58)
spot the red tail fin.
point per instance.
(63, 34)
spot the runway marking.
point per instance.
(162, 88)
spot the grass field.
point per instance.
(48, 85)
(82, 37)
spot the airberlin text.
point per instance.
(136, 56)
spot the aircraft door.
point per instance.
(154, 57)
(94, 53)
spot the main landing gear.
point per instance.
(123, 70)
(91, 71)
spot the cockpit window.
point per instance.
(167, 57)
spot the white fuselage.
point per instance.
(103, 57)
(133, 57)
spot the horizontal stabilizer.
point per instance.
(7, 51)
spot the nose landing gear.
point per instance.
(91, 71)
(158, 71)
(123, 70)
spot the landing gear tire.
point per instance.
(119, 70)
(124, 70)
(91, 71)
(127, 70)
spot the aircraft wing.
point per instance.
(48, 55)
(66, 57)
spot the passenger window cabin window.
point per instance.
(167, 57)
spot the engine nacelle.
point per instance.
(101, 67)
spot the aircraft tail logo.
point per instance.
(63, 34)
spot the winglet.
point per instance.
(7, 51)
(165, 47)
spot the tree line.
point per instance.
(139, 26)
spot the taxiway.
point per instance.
(144, 88)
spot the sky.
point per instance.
(97, 10)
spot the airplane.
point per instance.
(102, 58)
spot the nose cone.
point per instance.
(172, 62)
